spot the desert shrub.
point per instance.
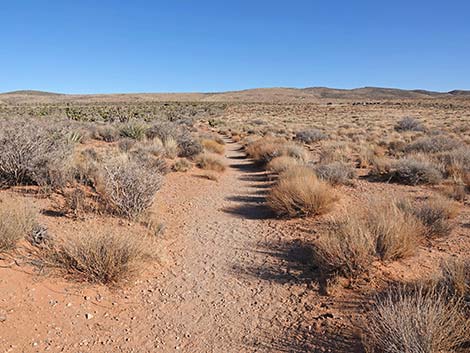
(335, 172)
(347, 248)
(281, 164)
(135, 131)
(188, 146)
(163, 130)
(86, 166)
(397, 232)
(409, 124)
(107, 133)
(414, 170)
(126, 144)
(182, 165)
(210, 161)
(310, 136)
(97, 257)
(150, 159)
(213, 146)
(295, 151)
(16, 222)
(128, 186)
(435, 215)
(433, 144)
(299, 193)
(33, 154)
(419, 320)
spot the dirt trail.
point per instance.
(222, 295)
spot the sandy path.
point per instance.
(225, 284)
(219, 296)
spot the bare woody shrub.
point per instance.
(128, 186)
(30, 153)
(409, 124)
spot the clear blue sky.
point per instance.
(102, 46)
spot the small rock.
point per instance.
(88, 316)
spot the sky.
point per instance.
(104, 46)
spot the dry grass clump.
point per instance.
(346, 249)
(265, 149)
(213, 146)
(433, 144)
(128, 186)
(16, 222)
(409, 124)
(335, 152)
(182, 165)
(397, 232)
(456, 164)
(435, 215)
(281, 164)
(335, 173)
(455, 279)
(299, 193)
(30, 153)
(97, 257)
(210, 161)
(417, 321)
(310, 136)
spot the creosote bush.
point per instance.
(299, 193)
(97, 257)
(16, 222)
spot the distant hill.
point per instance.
(32, 93)
(267, 95)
